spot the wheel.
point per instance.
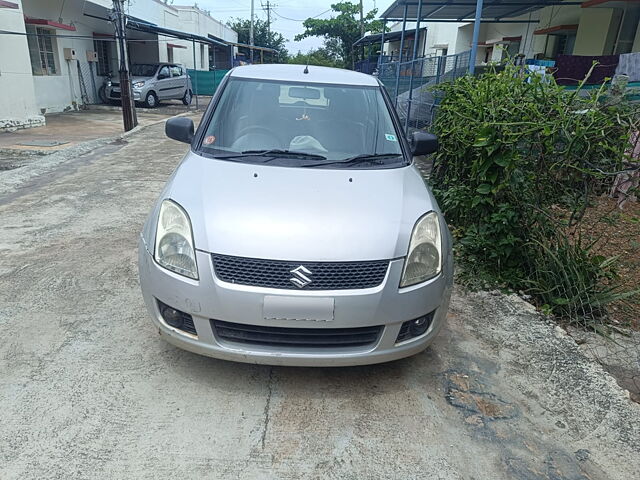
(102, 94)
(187, 98)
(151, 101)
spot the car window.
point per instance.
(143, 70)
(176, 71)
(335, 121)
(164, 71)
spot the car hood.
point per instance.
(308, 214)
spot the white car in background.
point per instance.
(154, 82)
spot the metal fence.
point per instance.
(408, 84)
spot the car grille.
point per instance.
(114, 94)
(296, 337)
(278, 274)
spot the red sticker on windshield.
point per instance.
(209, 140)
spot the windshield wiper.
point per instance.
(275, 153)
(373, 158)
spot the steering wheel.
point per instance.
(256, 129)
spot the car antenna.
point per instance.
(306, 68)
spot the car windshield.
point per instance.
(143, 70)
(290, 124)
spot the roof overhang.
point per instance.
(557, 30)
(48, 23)
(465, 10)
(388, 36)
(142, 26)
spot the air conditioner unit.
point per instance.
(92, 56)
(70, 54)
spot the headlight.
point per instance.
(424, 260)
(108, 83)
(174, 241)
(138, 85)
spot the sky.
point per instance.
(286, 16)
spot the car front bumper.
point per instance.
(209, 298)
(114, 93)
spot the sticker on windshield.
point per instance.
(390, 137)
(209, 140)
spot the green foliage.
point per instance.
(320, 56)
(573, 282)
(519, 162)
(342, 30)
(261, 38)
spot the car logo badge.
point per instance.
(300, 276)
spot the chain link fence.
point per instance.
(408, 85)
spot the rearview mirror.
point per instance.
(180, 129)
(423, 143)
(305, 93)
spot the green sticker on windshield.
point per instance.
(390, 137)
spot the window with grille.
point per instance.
(42, 50)
(104, 60)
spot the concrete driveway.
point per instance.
(89, 390)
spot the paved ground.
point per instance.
(89, 390)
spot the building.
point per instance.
(590, 28)
(54, 54)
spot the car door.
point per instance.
(178, 81)
(163, 85)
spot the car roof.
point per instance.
(295, 73)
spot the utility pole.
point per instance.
(268, 8)
(129, 117)
(361, 27)
(251, 34)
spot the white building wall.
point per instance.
(61, 91)
(442, 34)
(17, 99)
(25, 95)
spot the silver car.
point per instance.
(296, 230)
(154, 82)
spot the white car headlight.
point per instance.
(424, 260)
(138, 85)
(174, 241)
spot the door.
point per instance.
(178, 81)
(163, 84)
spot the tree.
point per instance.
(320, 56)
(262, 38)
(340, 32)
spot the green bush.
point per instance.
(520, 160)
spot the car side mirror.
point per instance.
(180, 129)
(423, 143)
(162, 76)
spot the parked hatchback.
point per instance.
(154, 82)
(297, 229)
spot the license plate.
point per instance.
(316, 309)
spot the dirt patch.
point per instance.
(617, 233)
(471, 395)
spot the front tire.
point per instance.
(102, 95)
(151, 101)
(187, 98)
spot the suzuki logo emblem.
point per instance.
(300, 276)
